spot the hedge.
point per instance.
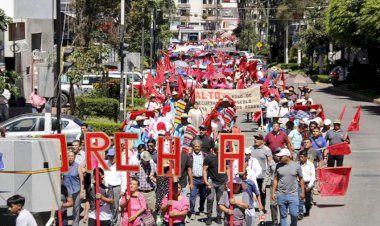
(290, 66)
(97, 107)
(104, 125)
(320, 78)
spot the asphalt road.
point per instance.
(360, 205)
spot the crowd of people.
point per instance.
(287, 151)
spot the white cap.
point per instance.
(174, 93)
(36, 87)
(229, 78)
(283, 152)
(247, 151)
(184, 115)
(140, 117)
(226, 99)
(161, 132)
(298, 101)
(327, 122)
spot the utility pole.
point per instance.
(142, 46)
(121, 55)
(58, 64)
(151, 39)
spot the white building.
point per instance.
(198, 19)
(37, 18)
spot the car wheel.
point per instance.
(64, 100)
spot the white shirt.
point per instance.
(308, 173)
(5, 96)
(304, 101)
(80, 158)
(195, 117)
(260, 74)
(272, 109)
(114, 178)
(25, 218)
(151, 105)
(254, 169)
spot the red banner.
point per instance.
(333, 181)
(339, 149)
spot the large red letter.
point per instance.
(237, 154)
(175, 155)
(119, 163)
(62, 140)
(90, 149)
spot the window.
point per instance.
(22, 125)
(183, 12)
(41, 126)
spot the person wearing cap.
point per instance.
(318, 143)
(152, 104)
(272, 108)
(263, 155)
(38, 102)
(239, 201)
(117, 180)
(326, 127)
(226, 111)
(140, 129)
(172, 102)
(215, 183)
(292, 95)
(254, 198)
(147, 179)
(181, 128)
(207, 142)
(284, 109)
(287, 178)
(308, 173)
(336, 136)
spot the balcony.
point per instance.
(183, 6)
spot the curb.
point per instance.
(351, 94)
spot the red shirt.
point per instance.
(276, 140)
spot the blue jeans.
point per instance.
(290, 202)
(200, 187)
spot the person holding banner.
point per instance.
(215, 183)
(336, 136)
(179, 204)
(240, 203)
(74, 181)
(288, 175)
(138, 205)
(105, 196)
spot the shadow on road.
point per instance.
(339, 93)
(329, 205)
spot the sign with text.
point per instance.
(247, 100)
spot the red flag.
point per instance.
(339, 149)
(141, 88)
(333, 181)
(149, 81)
(342, 113)
(354, 125)
(181, 87)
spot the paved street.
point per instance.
(359, 206)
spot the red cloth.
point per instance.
(141, 88)
(167, 91)
(342, 113)
(333, 181)
(339, 149)
(354, 125)
(278, 140)
(147, 113)
(181, 87)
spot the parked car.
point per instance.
(87, 82)
(338, 75)
(33, 124)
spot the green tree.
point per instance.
(247, 36)
(368, 23)
(4, 20)
(8, 80)
(86, 60)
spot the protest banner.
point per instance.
(247, 100)
(63, 143)
(226, 142)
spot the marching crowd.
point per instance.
(282, 163)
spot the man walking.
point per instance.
(216, 185)
(198, 185)
(308, 172)
(207, 142)
(277, 139)
(336, 136)
(285, 187)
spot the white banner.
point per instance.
(247, 100)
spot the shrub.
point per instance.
(98, 107)
(290, 66)
(323, 78)
(103, 125)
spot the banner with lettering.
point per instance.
(247, 100)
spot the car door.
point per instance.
(22, 127)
